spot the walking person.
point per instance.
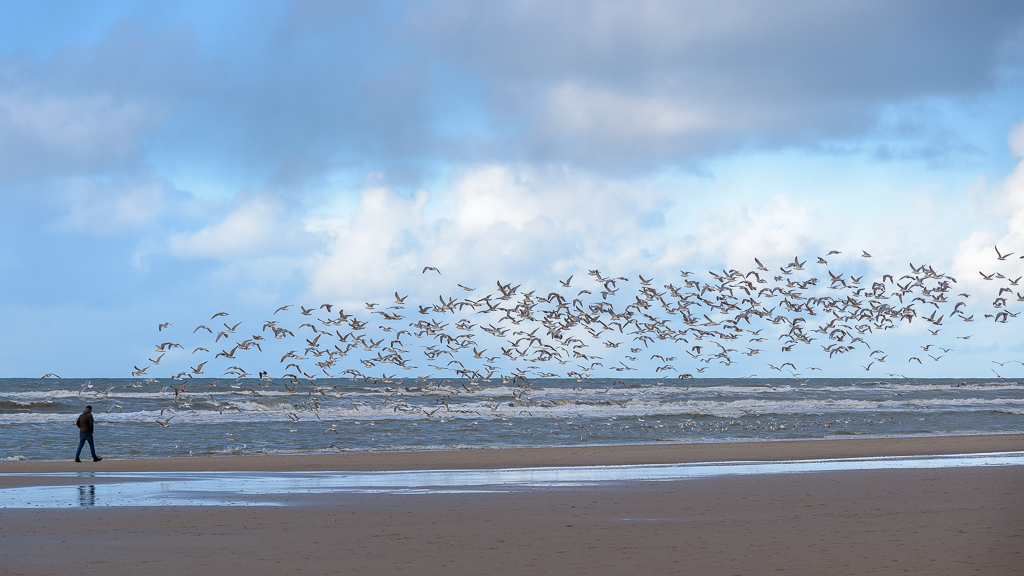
(84, 424)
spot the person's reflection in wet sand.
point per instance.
(87, 495)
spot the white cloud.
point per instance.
(372, 250)
(977, 253)
(778, 229)
(492, 222)
(254, 227)
(535, 226)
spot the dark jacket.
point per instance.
(84, 422)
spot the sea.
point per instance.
(138, 418)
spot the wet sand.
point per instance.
(942, 521)
(582, 455)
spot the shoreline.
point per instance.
(583, 455)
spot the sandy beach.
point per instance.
(948, 521)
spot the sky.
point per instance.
(161, 162)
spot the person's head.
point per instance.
(88, 408)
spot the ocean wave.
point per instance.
(252, 410)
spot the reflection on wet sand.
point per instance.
(87, 495)
(288, 488)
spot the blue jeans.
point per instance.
(82, 438)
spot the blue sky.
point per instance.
(163, 161)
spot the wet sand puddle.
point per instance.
(291, 488)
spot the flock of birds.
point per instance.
(583, 327)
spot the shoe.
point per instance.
(77, 459)
(97, 459)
